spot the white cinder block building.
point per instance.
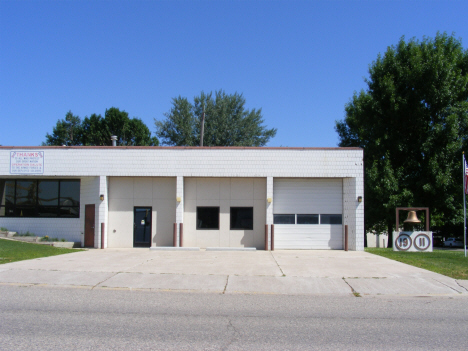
(121, 197)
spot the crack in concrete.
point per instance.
(225, 286)
(235, 336)
(142, 263)
(105, 280)
(448, 286)
(461, 286)
(355, 293)
(282, 273)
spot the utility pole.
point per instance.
(202, 126)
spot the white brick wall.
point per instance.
(102, 212)
(62, 228)
(354, 210)
(269, 208)
(195, 162)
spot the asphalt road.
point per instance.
(44, 318)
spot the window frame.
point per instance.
(319, 216)
(238, 208)
(307, 214)
(35, 209)
(283, 214)
(331, 217)
(197, 215)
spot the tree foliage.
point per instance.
(227, 122)
(412, 122)
(66, 132)
(97, 130)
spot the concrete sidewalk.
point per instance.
(228, 272)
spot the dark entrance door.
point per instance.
(89, 226)
(142, 226)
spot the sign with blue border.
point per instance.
(26, 162)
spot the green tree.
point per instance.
(96, 130)
(66, 132)
(227, 122)
(129, 132)
(412, 124)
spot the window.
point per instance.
(330, 219)
(69, 197)
(40, 198)
(48, 198)
(7, 197)
(307, 219)
(284, 219)
(242, 218)
(207, 217)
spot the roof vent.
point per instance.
(114, 140)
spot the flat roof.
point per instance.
(183, 147)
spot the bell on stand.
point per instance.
(411, 221)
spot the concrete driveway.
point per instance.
(230, 272)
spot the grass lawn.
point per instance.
(11, 251)
(453, 264)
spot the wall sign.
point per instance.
(412, 241)
(26, 162)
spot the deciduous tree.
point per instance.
(412, 123)
(96, 130)
(227, 122)
(66, 132)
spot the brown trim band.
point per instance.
(180, 147)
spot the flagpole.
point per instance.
(464, 203)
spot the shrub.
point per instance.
(25, 234)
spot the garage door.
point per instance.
(308, 213)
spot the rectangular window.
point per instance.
(330, 219)
(284, 219)
(47, 198)
(307, 219)
(47, 211)
(48, 192)
(207, 217)
(26, 192)
(7, 197)
(40, 198)
(69, 192)
(7, 192)
(69, 198)
(242, 218)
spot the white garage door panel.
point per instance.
(308, 196)
(309, 237)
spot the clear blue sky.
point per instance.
(300, 61)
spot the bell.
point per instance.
(412, 218)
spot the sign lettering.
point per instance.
(26, 162)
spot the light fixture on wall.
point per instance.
(101, 197)
(359, 199)
(178, 199)
(269, 200)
